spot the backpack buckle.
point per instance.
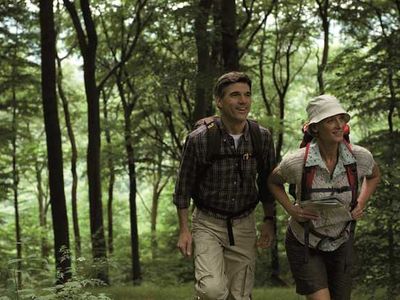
(210, 125)
(246, 156)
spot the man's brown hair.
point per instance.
(228, 79)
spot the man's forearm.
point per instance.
(183, 215)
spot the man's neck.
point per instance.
(233, 127)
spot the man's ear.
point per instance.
(218, 103)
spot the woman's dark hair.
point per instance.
(228, 79)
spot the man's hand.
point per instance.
(185, 243)
(267, 235)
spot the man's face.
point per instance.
(235, 103)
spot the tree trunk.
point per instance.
(158, 187)
(230, 50)
(15, 189)
(111, 178)
(44, 247)
(53, 138)
(88, 46)
(74, 159)
(203, 81)
(217, 63)
(93, 168)
(128, 108)
(323, 13)
(136, 270)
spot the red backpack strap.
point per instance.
(307, 176)
(352, 177)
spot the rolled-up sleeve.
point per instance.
(186, 178)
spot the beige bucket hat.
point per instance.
(324, 106)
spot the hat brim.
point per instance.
(322, 116)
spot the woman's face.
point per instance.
(330, 130)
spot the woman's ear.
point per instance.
(313, 129)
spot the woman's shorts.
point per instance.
(323, 269)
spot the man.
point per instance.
(225, 195)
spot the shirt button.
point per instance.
(234, 182)
(233, 199)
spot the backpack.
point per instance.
(213, 154)
(307, 180)
(309, 172)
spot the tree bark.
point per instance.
(53, 138)
(111, 178)
(44, 247)
(203, 81)
(158, 186)
(128, 108)
(323, 6)
(74, 159)
(88, 46)
(18, 240)
(230, 50)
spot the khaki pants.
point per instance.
(223, 271)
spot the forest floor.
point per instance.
(185, 292)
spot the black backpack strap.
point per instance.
(255, 135)
(213, 136)
(213, 140)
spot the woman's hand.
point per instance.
(358, 212)
(302, 214)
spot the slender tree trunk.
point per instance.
(53, 138)
(136, 270)
(93, 164)
(158, 187)
(154, 213)
(230, 49)
(111, 178)
(88, 46)
(44, 247)
(203, 80)
(74, 159)
(217, 62)
(128, 107)
(15, 190)
(323, 6)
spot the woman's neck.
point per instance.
(329, 154)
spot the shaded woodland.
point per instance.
(96, 98)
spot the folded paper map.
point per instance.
(330, 211)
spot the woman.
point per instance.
(321, 225)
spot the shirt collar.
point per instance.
(246, 131)
(314, 156)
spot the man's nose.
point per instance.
(244, 98)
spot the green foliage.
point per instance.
(378, 248)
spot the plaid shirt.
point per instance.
(229, 184)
